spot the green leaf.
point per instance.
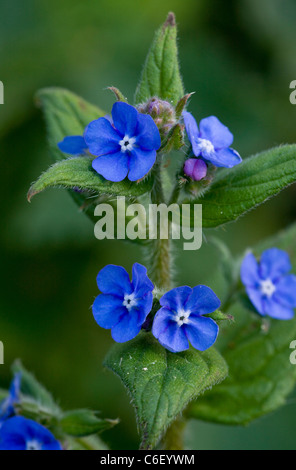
(162, 383)
(78, 173)
(80, 423)
(65, 114)
(34, 394)
(161, 76)
(240, 189)
(258, 355)
(92, 442)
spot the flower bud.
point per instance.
(195, 168)
(162, 112)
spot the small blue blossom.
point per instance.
(180, 321)
(125, 148)
(270, 288)
(73, 145)
(7, 405)
(211, 141)
(123, 305)
(20, 433)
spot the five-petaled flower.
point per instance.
(123, 305)
(180, 321)
(211, 141)
(7, 405)
(126, 146)
(19, 433)
(270, 288)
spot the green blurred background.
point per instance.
(239, 57)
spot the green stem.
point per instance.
(158, 251)
(159, 257)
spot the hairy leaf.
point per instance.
(161, 76)
(240, 189)
(162, 383)
(78, 173)
(79, 423)
(65, 114)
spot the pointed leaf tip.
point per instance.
(171, 20)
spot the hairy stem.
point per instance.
(158, 250)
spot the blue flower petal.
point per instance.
(127, 328)
(114, 280)
(125, 118)
(148, 137)
(175, 298)
(140, 163)
(143, 307)
(168, 333)
(7, 405)
(226, 158)
(18, 433)
(201, 332)
(113, 167)
(107, 310)
(202, 301)
(285, 292)
(101, 137)
(249, 271)
(274, 263)
(141, 282)
(213, 130)
(275, 310)
(256, 298)
(191, 127)
(73, 145)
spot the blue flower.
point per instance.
(73, 145)
(7, 405)
(180, 321)
(20, 433)
(123, 305)
(126, 148)
(270, 288)
(211, 141)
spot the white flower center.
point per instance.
(206, 146)
(127, 143)
(267, 287)
(129, 301)
(33, 445)
(182, 317)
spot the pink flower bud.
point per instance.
(195, 168)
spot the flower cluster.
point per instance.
(210, 143)
(124, 306)
(270, 287)
(19, 433)
(125, 146)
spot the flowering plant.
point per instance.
(178, 349)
